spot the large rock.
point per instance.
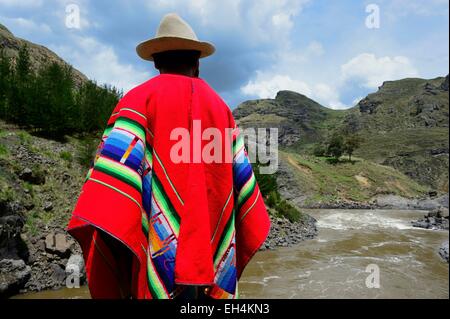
(33, 177)
(443, 251)
(436, 219)
(57, 244)
(11, 224)
(13, 276)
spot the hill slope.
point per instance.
(38, 53)
(404, 125)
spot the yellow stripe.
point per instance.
(134, 111)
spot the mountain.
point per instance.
(300, 120)
(403, 125)
(38, 53)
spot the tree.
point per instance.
(319, 150)
(351, 143)
(336, 146)
(22, 78)
(5, 78)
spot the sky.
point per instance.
(335, 52)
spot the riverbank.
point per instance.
(284, 233)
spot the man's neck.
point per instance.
(190, 73)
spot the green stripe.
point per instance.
(247, 190)
(225, 240)
(148, 154)
(168, 178)
(108, 130)
(165, 204)
(145, 224)
(119, 172)
(131, 126)
(154, 284)
(237, 144)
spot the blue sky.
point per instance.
(321, 48)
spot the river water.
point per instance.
(357, 254)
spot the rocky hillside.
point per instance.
(404, 125)
(40, 180)
(300, 120)
(38, 53)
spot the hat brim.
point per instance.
(147, 48)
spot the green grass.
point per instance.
(3, 151)
(359, 180)
(67, 156)
(24, 137)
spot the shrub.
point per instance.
(290, 212)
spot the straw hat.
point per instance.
(173, 34)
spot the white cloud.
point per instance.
(255, 20)
(266, 86)
(99, 61)
(25, 25)
(365, 69)
(372, 71)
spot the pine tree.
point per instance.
(5, 78)
(20, 88)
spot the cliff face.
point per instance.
(404, 125)
(38, 53)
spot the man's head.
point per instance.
(184, 62)
(175, 48)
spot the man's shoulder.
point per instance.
(210, 93)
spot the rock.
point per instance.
(444, 85)
(58, 274)
(13, 276)
(48, 206)
(436, 219)
(28, 175)
(66, 177)
(57, 244)
(368, 105)
(443, 251)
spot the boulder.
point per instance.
(29, 176)
(58, 274)
(443, 251)
(57, 244)
(13, 276)
(48, 206)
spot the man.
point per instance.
(170, 203)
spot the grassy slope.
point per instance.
(59, 162)
(402, 135)
(359, 181)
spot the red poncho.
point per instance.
(191, 222)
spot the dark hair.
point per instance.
(176, 59)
